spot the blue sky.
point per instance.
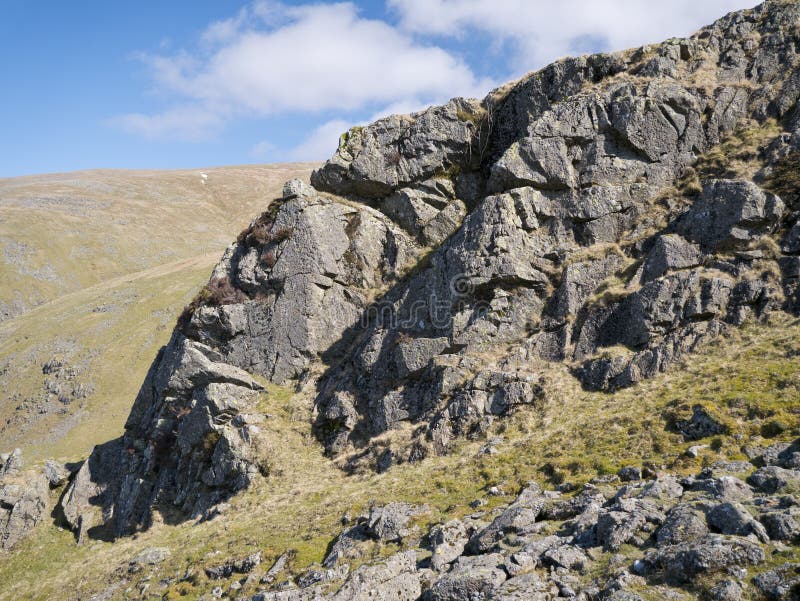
(146, 84)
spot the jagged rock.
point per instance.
(56, 473)
(277, 567)
(578, 282)
(590, 496)
(724, 488)
(791, 241)
(519, 518)
(11, 462)
(315, 577)
(181, 445)
(429, 211)
(540, 203)
(773, 479)
(395, 579)
(469, 578)
(630, 474)
(786, 455)
(390, 522)
(348, 545)
(400, 150)
(665, 486)
(298, 270)
(448, 542)
(666, 317)
(733, 518)
(726, 590)
(566, 556)
(731, 213)
(611, 527)
(239, 566)
(526, 587)
(681, 563)
(782, 525)
(670, 252)
(23, 501)
(781, 583)
(700, 425)
(683, 524)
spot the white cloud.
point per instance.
(189, 123)
(262, 150)
(541, 30)
(272, 59)
(321, 143)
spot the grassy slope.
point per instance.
(129, 249)
(750, 378)
(61, 233)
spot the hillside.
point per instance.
(535, 346)
(97, 266)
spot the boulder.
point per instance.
(773, 479)
(395, 579)
(730, 214)
(733, 518)
(683, 524)
(519, 518)
(56, 473)
(780, 583)
(24, 500)
(683, 562)
(469, 578)
(782, 525)
(670, 252)
(447, 541)
(726, 590)
(390, 522)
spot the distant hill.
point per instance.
(95, 266)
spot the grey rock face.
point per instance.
(24, 499)
(773, 479)
(401, 150)
(733, 518)
(448, 542)
(187, 443)
(670, 252)
(518, 519)
(730, 214)
(299, 270)
(683, 562)
(556, 233)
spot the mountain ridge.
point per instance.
(468, 273)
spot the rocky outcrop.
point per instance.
(440, 258)
(664, 536)
(24, 499)
(190, 442)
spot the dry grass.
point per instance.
(65, 232)
(748, 380)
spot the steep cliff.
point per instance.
(613, 212)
